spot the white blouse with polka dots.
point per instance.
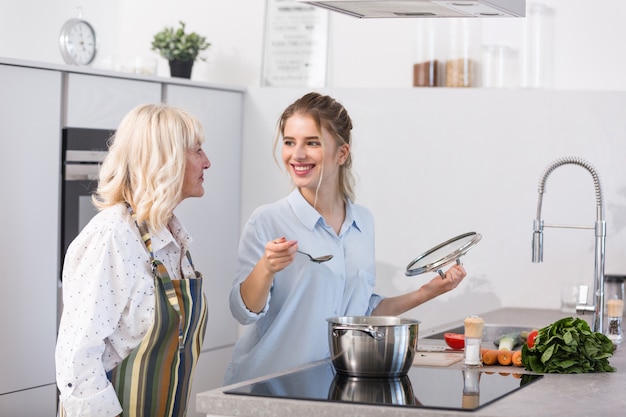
(108, 304)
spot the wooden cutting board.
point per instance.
(436, 358)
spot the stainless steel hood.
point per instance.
(424, 8)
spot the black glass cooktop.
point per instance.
(422, 387)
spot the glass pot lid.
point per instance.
(443, 254)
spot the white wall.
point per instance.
(378, 54)
(431, 165)
(589, 54)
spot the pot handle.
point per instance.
(374, 333)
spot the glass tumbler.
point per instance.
(426, 67)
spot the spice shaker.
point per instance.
(474, 326)
(614, 288)
(614, 296)
(614, 318)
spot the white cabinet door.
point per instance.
(101, 102)
(39, 401)
(30, 142)
(213, 220)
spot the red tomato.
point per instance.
(530, 340)
(455, 340)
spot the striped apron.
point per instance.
(155, 379)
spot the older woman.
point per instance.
(134, 313)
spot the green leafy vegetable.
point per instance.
(568, 346)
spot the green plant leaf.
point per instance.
(176, 45)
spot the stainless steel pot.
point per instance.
(376, 346)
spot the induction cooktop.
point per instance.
(423, 387)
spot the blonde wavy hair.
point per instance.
(145, 166)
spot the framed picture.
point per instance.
(295, 50)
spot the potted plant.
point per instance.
(179, 48)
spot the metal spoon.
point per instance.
(319, 259)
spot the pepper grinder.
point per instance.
(614, 309)
(613, 288)
(474, 326)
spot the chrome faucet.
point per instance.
(600, 231)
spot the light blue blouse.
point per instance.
(292, 329)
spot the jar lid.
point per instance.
(614, 278)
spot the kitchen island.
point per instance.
(552, 395)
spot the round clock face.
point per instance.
(78, 42)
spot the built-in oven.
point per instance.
(83, 152)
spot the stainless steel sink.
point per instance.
(490, 333)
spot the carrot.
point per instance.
(516, 359)
(504, 357)
(490, 357)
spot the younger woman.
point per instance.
(283, 297)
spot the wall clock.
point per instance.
(78, 42)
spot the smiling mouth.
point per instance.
(301, 169)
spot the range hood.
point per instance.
(424, 8)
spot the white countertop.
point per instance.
(555, 394)
(115, 74)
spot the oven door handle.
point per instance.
(85, 156)
(81, 172)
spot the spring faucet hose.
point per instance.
(575, 161)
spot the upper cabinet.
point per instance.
(99, 102)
